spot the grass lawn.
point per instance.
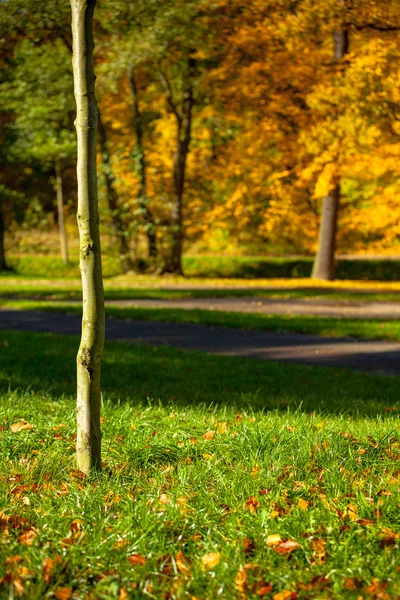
(223, 478)
(373, 329)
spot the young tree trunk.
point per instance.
(88, 444)
(120, 230)
(3, 264)
(141, 169)
(60, 212)
(184, 131)
(324, 263)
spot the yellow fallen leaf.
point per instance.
(209, 435)
(303, 504)
(164, 499)
(21, 426)
(273, 540)
(182, 563)
(352, 512)
(211, 560)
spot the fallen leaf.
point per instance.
(63, 593)
(137, 559)
(352, 512)
(182, 563)
(252, 504)
(209, 435)
(303, 504)
(164, 499)
(13, 560)
(223, 427)
(211, 560)
(123, 594)
(285, 595)
(263, 588)
(352, 583)
(249, 546)
(27, 537)
(286, 547)
(47, 570)
(255, 470)
(273, 540)
(21, 426)
(240, 580)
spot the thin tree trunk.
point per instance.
(120, 230)
(184, 131)
(324, 263)
(141, 169)
(88, 444)
(60, 212)
(3, 264)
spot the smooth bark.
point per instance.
(324, 263)
(88, 444)
(141, 169)
(60, 213)
(3, 263)
(120, 230)
(184, 131)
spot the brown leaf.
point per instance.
(76, 526)
(13, 560)
(240, 580)
(286, 547)
(21, 426)
(123, 594)
(209, 435)
(285, 595)
(182, 563)
(47, 570)
(262, 588)
(27, 537)
(63, 593)
(137, 560)
(252, 504)
(210, 560)
(352, 583)
(249, 546)
(164, 499)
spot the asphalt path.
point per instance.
(374, 356)
(345, 309)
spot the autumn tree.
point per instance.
(88, 442)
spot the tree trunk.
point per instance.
(324, 263)
(120, 230)
(88, 444)
(60, 213)
(3, 264)
(141, 169)
(184, 131)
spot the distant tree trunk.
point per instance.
(88, 443)
(3, 263)
(184, 131)
(60, 212)
(324, 263)
(141, 169)
(120, 230)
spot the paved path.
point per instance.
(305, 349)
(279, 306)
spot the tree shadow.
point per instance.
(45, 363)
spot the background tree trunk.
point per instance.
(120, 230)
(184, 132)
(3, 264)
(141, 169)
(324, 263)
(60, 212)
(88, 444)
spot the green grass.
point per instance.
(283, 433)
(370, 329)
(248, 267)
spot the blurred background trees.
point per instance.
(225, 127)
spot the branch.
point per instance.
(169, 95)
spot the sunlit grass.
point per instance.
(205, 458)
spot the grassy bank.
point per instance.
(222, 477)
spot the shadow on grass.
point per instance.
(45, 363)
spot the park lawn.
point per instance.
(131, 287)
(223, 478)
(370, 329)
